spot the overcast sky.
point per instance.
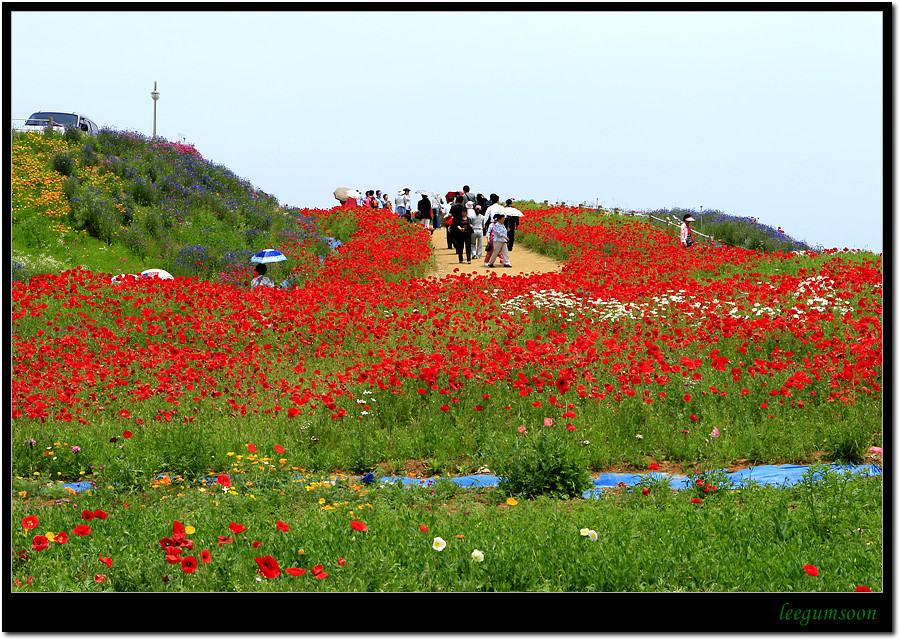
(774, 115)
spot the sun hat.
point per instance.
(689, 218)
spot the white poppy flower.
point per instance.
(477, 556)
(438, 544)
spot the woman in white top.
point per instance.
(476, 217)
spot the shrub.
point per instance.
(89, 157)
(142, 191)
(544, 463)
(64, 163)
(72, 134)
(70, 186)
(93, 212)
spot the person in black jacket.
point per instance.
(460, 229)
(512, 223)
(424, 209)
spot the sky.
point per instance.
(774, 115)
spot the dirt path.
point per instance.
(522, 260)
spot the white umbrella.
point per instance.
(157, 273)
(268, 255)
(510, 212)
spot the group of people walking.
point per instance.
(473, 223)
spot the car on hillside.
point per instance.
(40, 120)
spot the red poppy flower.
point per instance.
(173, 558)
(295, 571)
(811, 570)
(62, 537)
(356, 525)
(205, 557)
(268, 567)
(99, 513)
(224, 480)
(224, 540)
(30, 522)
(87, 515)
(654, 466)
(863, 587)
(696, 500)
(39, 543)
(282, 526)
(279, 448)
(321, 576)
(255, 544)
(423, 528)
(106, 561)
(124, 413)
(82, 530)
(99, 577)
(236, 528)
(645, 491)
(127, 434)
(189, 564)
(342, 561)
(251, 448)
(317, 569)
(293, 412)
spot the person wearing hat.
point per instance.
(401, 202)
(687, 237)
(497, 234)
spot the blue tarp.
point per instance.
(772, 475)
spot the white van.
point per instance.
(40, 120)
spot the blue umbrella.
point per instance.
(269, 255)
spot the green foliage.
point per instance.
(545, 463)
(64, 163)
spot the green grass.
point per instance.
(753, 539)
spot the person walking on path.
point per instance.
(467, 196)
(498, 235)
(448, 220)
(401, 202)
(385, 201)
(512, 223)
(687, 236)
(436, 210)
(477, 220)
(460, 229)
(424, 213)
(494, 207)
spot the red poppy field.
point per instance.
(203, 403)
